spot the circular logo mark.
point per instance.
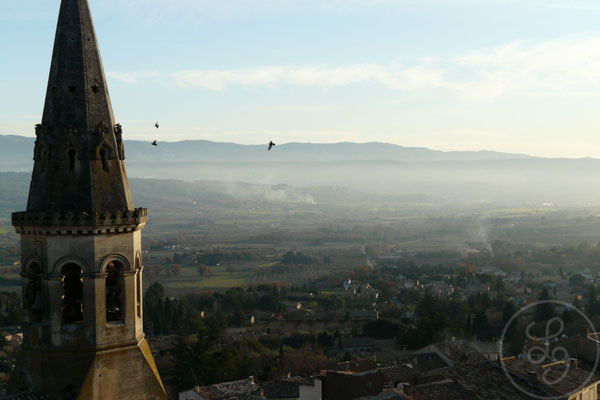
(546, 360)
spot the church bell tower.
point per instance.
(81, 239)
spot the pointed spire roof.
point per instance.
(77, 91)
(79, 151)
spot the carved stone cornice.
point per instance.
(81, 224)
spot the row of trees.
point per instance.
(219, 310)
(162, 315)
(203, 357)
(201, 360)
(11, 312)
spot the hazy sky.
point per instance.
(518, 76)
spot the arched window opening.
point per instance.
(33, 294)
(72, 299)
(104, 159)
(114, 291)
(72, 153)
(138, 287)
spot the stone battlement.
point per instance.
(108, 221)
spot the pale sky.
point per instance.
(507, 75)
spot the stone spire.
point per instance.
(79, 151)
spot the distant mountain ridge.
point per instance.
(376, 169)
(16, 153)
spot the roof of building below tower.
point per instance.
(488, 380)
(559, 379)
(399, 373)
(462, 351)
(389, 395)
(354, 366)
(425, 362)
(446, 390)
(581, 347)
(228, 390)
(282, 388)
(285, 388)
(24, 396)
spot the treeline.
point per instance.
(218, 256)
(219, 311)
(9, 252)
(11, 313)
(162, 315)
(513, 257)
(411, 270)
(236, 306)
(202, 360)
(204, 356)
(297, 258)
(436, 320)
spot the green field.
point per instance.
(191, 280)
(244, 274)
(266, 265)
(214, 282)
(10, 282)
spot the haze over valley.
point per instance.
(343, 197)
(378, 170)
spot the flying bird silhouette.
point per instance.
(154, 143)
(156, 125)
(271, 145)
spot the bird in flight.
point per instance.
(271, 145)
(156, 125)
(154, 143)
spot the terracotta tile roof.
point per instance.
(460, 351)
(568, 378)
(441, 390)
(340, 385)
(580, 347)
(485, 347)
(287, 388)
(399, 373)
(425, 362)
(355, 366)
(488, 380)
(24, 396)
(389, 395)
(228, 390)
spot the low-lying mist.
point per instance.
(538, 181)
